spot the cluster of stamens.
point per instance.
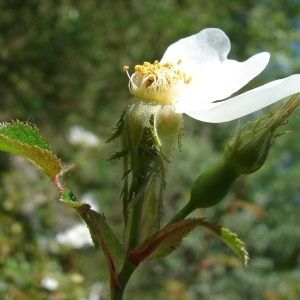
(161, 82)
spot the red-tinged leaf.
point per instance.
(164, 242)
(25, 140)
(104, 236)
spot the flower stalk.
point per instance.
(245, 153)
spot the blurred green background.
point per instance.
(61, 69)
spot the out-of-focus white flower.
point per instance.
(89, 198)
(49, 283)
(194, 73)
(76, 237)
(96, 289)
(81, 137)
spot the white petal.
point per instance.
(234, 75)
(209, 46)
(248, 102)
(220, 82)
(214, 77)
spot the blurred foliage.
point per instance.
(60, 66)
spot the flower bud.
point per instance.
(212, 185)
(245, 153)
(247, 149)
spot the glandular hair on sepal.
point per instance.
(147, 133)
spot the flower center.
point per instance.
(161, 82)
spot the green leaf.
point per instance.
(103, 236)
(68, 198)
(165, 241)
(26, 141)
(24, 133)
(229, 238)
(235, 244)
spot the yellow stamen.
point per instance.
(161, 82)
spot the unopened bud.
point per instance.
(246, 150)
(212, 185)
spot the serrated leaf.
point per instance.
(229, 238)
(103, 236)
(237, 245)
(164, 242)
(24, 133)
(25, 140)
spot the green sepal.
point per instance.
(117, 130)
(147, 134)
(151, 213)
(26, 141)
(118, 155)
(247, 149)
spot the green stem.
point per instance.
(116, 295)
(184, 212)
(135, 225)
(129, 267)
(124, 277)
(209, 189)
